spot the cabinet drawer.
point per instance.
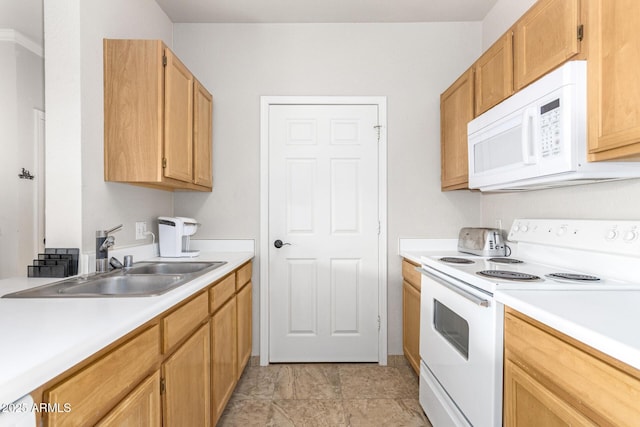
(243, 275)
(98, 387)
(591, 382)
(410, 274)
(177, 325)
(221, 292)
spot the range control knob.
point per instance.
(562, 230)
(524, 228)
(611, 234)
(630, 236)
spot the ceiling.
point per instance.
(326, 11)
(26, 16)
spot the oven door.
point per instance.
(461, 344)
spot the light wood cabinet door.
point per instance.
(224, 359)
(456, 111)
(140, 409)
(545, 37)
(530, 404)
(494, 74)
(613, 83)
(178, 120)
(564, 373)
(411, 325)
(133, 110)
(187, 382)
(244, 302)
(202, 134)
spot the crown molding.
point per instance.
(9, 35)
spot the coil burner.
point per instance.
(572, 277)
(508, 275)
(506, 260)
(456, 260)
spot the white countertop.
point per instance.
(605, 320)
(413, 249)
(42, 338)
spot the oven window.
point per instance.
(452, 327)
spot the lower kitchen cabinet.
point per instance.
(531, 404)
(224, 356)
(102, 384)
(179, 369)
(140, 409)
(551, 379)
(411, 314)
(186, 382)
(244, 326)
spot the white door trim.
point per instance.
(265, 103)
(39, 196)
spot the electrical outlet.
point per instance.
(141, 228)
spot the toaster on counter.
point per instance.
(481, 241)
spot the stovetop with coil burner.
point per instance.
(552, 254)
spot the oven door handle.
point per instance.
(465, 294)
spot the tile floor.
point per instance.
(325, 395)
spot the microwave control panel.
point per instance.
(550, 128)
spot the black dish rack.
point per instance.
(55, 262)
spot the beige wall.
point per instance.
(410, 64)
(79, 202)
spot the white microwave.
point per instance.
(537, 138)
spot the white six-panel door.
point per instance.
(323, 206)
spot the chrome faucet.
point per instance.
(103, 243)
(107, 243)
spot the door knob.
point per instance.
(278, 244)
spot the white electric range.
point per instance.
(461, 330)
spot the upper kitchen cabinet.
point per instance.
(202, 113)
(157, 124)
(613, 83)
(456, 110)
(545, 37)
(494, 74)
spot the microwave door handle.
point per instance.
(528, 136)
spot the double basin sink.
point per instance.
(142, 279)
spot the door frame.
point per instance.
(39, 119)
(265, 103)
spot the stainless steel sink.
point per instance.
(125, 286)
(172, 267)
(141, 280)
